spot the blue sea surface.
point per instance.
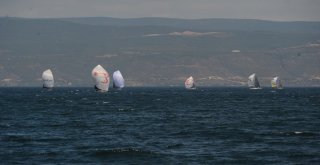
(160, 126)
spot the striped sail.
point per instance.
(101, 77)
(276, 83)
(47, 78)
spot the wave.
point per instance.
(29, 138)
(175, 146)
(298, 133)
(4, 125)
(122, 152)
(16, 137)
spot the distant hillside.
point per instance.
(204, 24)
(159, 51)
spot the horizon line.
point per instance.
(172, 18)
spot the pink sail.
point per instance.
(101, 77)
(189, 83)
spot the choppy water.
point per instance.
(160, 126)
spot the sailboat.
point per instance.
(101, 76)
(47, 79)
(253, 82)
(276, 83)
(189, 83)
(118, 81)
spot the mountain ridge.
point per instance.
(71, 49)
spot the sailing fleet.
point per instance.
(98, 73)
(102, 80)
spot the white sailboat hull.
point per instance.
(255, 88)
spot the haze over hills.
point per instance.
(159, 51)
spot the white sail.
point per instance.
(276, 83)
(253, 82)
(118, 81)
(47, 78)
(189, 83)
(101, 77)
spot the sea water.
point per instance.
(160, 126)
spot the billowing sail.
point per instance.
(118, 81)
(47, 79)
(101, 77)
(189, 83)
(276, 83)
(253, 82)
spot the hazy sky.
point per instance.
(283, 10)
